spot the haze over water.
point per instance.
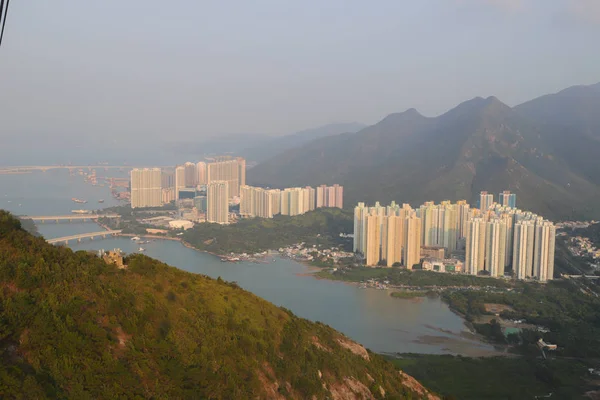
(369, 316)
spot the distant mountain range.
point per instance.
(257, 147)
(546, 150)
(268, 148)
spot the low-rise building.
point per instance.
(181, 224)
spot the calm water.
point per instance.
(369, 316)
(50, 193)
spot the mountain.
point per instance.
(226, 144)
(73, 326)
(570, 120)
(482, 144)
(268, 148)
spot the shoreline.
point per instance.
(452, 345)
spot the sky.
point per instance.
(146, 70)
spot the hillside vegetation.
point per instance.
(322, 226)
(549, 159)
(72, 326)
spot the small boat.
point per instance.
(135, 238)
(81, 211)
(101, 200)
(141, 249)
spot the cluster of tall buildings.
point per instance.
(210, 185)
(229, 169)
(265, 203)
(153, 187)
(388, 235)
(495, 238)
(504, 238)
(330, 196)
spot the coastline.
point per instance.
(456, 343)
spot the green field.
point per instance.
(498, 378)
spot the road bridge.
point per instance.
(69, 218)
(81, 236)
(30, 168)
(581, 276)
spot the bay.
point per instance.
(371, 317)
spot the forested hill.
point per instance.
(72, 326)
(545, 151)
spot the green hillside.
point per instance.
(72, 326)
(482, 144)
(322, 226)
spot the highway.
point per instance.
(91, 235)
(74, 217)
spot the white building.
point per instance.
(146, 187)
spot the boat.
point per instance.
(135, 238)
(101, 200)
(141, 249)
(81, 211)
(76, 200)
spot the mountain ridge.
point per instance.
(481, 144)
(73, 326)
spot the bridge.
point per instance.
(69, 218)
(31, 168)
(581, 276)
(81, 236)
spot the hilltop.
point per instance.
(72, 326)
(549, 159)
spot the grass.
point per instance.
(500, 378)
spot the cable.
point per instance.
(4, 19)
(1, 11)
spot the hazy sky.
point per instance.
(188, 69)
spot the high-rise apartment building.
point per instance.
(201, 170)
(412, 246)
(475, 246)
(440, 224)
(359, 240)
(258, 202)
(393, 239)
(146, 187)
(495, 247)
(179, 180)
(275, 200)
(321, 200)
(191, 175)
(509, 218)
(543, 253)
(373, 231)
(296, 201)
(217, 202)
(507, 199)
(339, 196)
(524, 234)
(462, 215)
(231, 170)
(485, 201)
(330, 196)
(167, 179)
